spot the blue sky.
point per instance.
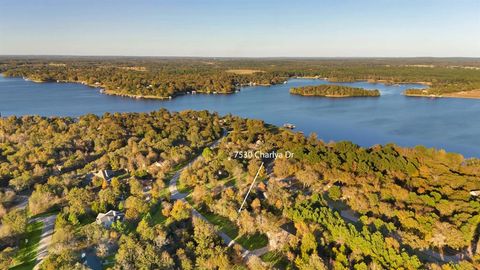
(321, 28)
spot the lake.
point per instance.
(451, 124)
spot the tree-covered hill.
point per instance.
(329, 90)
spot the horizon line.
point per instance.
(240, 57)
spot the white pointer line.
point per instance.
(250, 189)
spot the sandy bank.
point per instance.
(472, 94)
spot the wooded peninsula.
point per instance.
(333, 91)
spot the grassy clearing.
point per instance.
(27, 252)
(254, 241)
(223, 224)
(164, 193)
(275, 259)
(184, 189)
(52, 211)
(157, 216)
(85, 219)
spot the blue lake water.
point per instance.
(451, 124)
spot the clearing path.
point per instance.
(46, 237)
(176, 195)
(172, 186)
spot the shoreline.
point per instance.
(472, 94)
(334, 96)
(334, 91)
(109, 92)
(112, 93)
(388, 82)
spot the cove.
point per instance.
(450, 124)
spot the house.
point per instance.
(161, 163)
(109, 174)
(475, 193)
(108, 218)
(104, 174)
(91, 260)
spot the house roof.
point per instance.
(111, 213)
(475, 192)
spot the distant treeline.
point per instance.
(334, 91)
(168, 77)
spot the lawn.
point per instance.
(157, 216)
(49, 212)
(254, 241)
(183, 189)
(223, 224)
(275, 259)
(250, 242)
(27, 252)
(85, 219)
(164, 193)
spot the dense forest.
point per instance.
(329, 90)
(168, 77)
(324, 206)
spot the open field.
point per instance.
(244, 71)
(474, 94)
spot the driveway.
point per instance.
(46, 237)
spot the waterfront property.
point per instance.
(390, 118)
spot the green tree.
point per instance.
(180, 211)
(79, 200)
(335, 193)
(135, 207)
(14, 222)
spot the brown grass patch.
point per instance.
(134, 68)
(465, 94)
(244, 71)
(57, 64)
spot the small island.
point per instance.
(333, 91)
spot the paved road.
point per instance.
(46, 237)
(172, 186)
(21, 202)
